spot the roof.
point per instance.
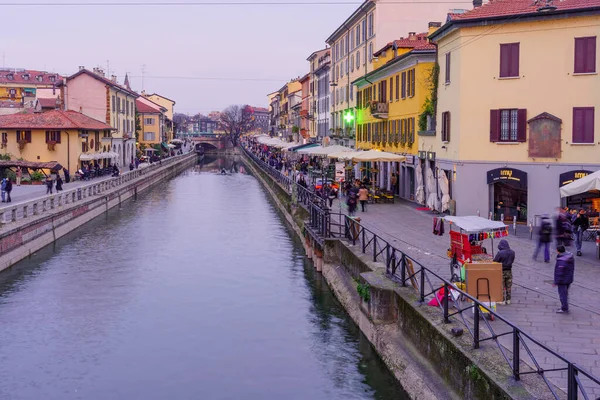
(319, 53)
(47, 103)
(145, 108)
(358, 12)
(304, 78)
(28, 77)
(51, 165)
(418, 41)
(104, 80)
(505, 9)
(55, 119)
(161, 96)
(259, 109)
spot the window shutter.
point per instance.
(494, 125)
(504, 60)
(28, 136)
(412, 83)
(588, 123)
(391, 89)
(448, 67)
(404, 85)
(580, 55)
(590, 57)
(18, 136)
(397, 87)
(522, 125)
(58, 136)
(47, 136)
(514, 59)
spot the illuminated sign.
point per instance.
(507, 175)
(571, 176)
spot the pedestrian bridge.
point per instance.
(210, 143)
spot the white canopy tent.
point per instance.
(309, 150)
(474, 224)
(583, 185)
(420, 191)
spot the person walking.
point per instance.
(506, 256)
(394, 183)
(49, 184)
(8, 190)
(59, 183)
(544, 238)
(563, 229)
(3, 189)
(333, 193)
(19, 175)
(363, 197)
(564, 272)
(580, 225)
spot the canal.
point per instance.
(195, 291)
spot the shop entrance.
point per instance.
(509, 194)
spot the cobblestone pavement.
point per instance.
(534, 300)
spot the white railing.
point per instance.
(32, 208)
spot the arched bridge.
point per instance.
(210, 143)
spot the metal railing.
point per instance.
(405, 270)
(36, 207)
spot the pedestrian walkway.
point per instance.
(534, 300)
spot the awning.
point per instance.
(374, 155)
(171, 146)
(324, 151)
(176, 141)
(473, 224)
(51, 165)
(164, 145)
(303, 146)
(583, 185)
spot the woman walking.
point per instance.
(363, 197)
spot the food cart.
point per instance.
(471, 266)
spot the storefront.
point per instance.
(588, 201)
(406, 181)
(508, 193)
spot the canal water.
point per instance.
(195, 291)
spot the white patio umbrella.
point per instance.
(445, 188)
(432, 198)
(374, 155)
(420, 191)
(582, 185)
(309, 150)
(344, 155)
(325, 151)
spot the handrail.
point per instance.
(38, 206)
(396, 262)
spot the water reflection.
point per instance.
(197, 290)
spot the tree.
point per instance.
(235, 121)
(181, 122)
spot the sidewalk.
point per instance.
(534, 300)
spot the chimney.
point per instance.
(412, 36)
(81, 67)
(113, 78)
(477, 3)
(433, 26)
(99, 71)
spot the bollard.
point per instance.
(478, 213)
(515, 225)
(530, 229)
(490, 217)
(598, 245)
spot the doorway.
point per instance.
(510, 200)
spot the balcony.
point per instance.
(380, 110)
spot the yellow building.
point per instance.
(517, 109)
(151, 122)
(390, 101)
(286, 122)
(20, 85)
(68, 137)
(169, 105)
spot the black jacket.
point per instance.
(582, 222)
(506, 255)
(564, 270)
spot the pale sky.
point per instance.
(251, 41)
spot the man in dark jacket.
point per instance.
(563, 228)
(506, 256)
(563, 276)
(580, 225)
(544, 239)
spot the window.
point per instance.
(124, 126)
(446, 126)
(149, 136)
(24, 136)
(4, 137)
(52, 78)
(10, 77)
(404, 85)
(370, 24)
(351, 92)
(357, 34)
(39, 78)
(351, 41)
(447, 68)
(53, 136)
(509, 125)
(357, 59)
(342, 70)
(127, 108)
(397, 87)
(364, 30)
(352, 63)
(26, 77)
(411, 82)
(411, 131)
(368, 132)
(402, 131)
(391, 89)
(370, 51)
(97, 141)
(583, 125)
(509, 60)
(337, 72)
(113, 104)
(585, 55)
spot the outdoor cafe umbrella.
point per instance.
(420, 193)
(325, 151)
(432, 198)
(445, 189)
(582, 185)
(374, 156)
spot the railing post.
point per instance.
(364, 248)
(572, 387)
(403, 270)
(13, 214)
(516, 356)
(446, 301)
(476, 326)
(35, 208)
(387, 259)
(374, 247)
(25, 209)
(422, 286)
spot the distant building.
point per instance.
(261, 119)
(169, 105)
(151, 122)
(318, 115)
(20, 85)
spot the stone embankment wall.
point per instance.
(31, 225)
(409, 336)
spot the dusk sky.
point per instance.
(267, 42)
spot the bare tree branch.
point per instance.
(235, 121)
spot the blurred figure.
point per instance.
(563, 229)
(363, 197)
(564, 272)
(544, 238)
(580, 225)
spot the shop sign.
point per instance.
(340, 172)
(572, 176)
(410, 159)
(507, 174)
(422, 155)
(431, 156)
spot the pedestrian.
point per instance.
(19, 176)
(506, 256)
(67, 175)
(333, 193)
(8, 190)
(351, 200)
(544, 238)
(563, 277)
(363, 197)
(563, 229)
(131, 166)
(394, 182)
(49, 184)
(59, 183)
(580, 225)
(3, 189)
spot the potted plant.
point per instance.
(22, 143)
(25, 180)
(36, 177)
(51, 145)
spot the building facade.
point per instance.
(321, 74)
(305, 98)
(507, 136)
(151, 122)
(261, 119)
(390, 101)
(103, 99)
(21, 85)
(315, 60)
(169, 106)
